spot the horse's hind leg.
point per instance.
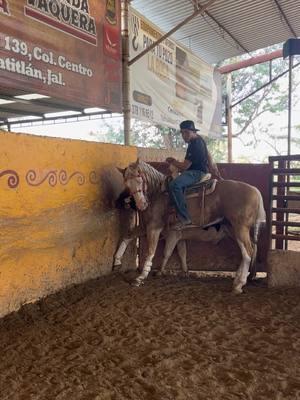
(252, 268)
(242, 235)
(181, 248)
(253, 264)
(170, 243)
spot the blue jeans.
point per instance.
(176, 191)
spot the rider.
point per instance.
(193, 168)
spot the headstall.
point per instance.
(144, 188)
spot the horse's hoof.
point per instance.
(116, 267)
(137, 283)
(237, 291)
(117, 263)
(251, 277)
(183, 275)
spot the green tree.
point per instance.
(157, 136)
(251, 116)
(217, 148)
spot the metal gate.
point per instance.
(285, 202)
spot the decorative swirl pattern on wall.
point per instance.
(64, 179)
(13, 180)
(94, 178)
(31, 178)
(53, 177)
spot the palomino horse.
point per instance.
(173, 238)
(240, 204)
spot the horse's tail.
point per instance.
(258, 224)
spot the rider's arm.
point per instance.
(182, 166)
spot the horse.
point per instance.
(238, 203)
(173, 238)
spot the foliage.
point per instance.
(217, 148)
(271, 98)
(146, 135)
(256, 120)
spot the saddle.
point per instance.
(205, 184)
(204, 187)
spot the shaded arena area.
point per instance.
(172, 339)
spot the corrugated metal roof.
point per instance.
(229, 28)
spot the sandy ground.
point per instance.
(171, 339)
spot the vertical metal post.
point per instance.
(288, 164)
(229, 119)
(290, 104)
(280, 203)
(126, 70)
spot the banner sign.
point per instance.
(65, 49)
(170, 84)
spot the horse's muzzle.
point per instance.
(142, 205)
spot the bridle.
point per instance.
(144, 185)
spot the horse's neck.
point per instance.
(156, 189)
(156, 210)
(155, 181)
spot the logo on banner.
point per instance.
(135, 27)
(111, 13)
(70, 16)
(4, 7)
(111, 37)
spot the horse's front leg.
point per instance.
(133, 234)
(152, 240)
(121, 250)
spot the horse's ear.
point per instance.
(122, 170)
(137, 162)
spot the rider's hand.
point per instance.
(170, 160)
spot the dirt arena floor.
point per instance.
(173, 339)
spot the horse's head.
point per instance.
(135, 182)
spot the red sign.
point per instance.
(66, 49)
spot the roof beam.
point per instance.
(227, 31)
(200, 10)
(42, 102)
(285, 18)
(46, 121)
(20, 112)
(225, 69)
(196, 5)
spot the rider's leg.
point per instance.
(176, 190)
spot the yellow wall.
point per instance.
(58, 225)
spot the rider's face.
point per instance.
(186, 135)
